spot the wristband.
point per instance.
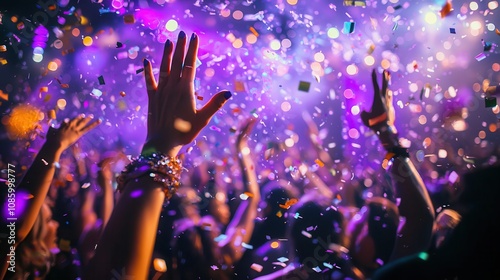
(397, 152)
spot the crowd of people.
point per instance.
(219, 221)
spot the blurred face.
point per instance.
(51, 226)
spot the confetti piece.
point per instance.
(493, 90)
(3, 48)
(348, 27)
(319, 162)
(282, 259)
(3, 61)
(487, 46)
(199, 97)
(453, 31)
(446, 10)
(254, 32)
(490, 102)
(239, 86)
(139, 70)
(371, 49)
(279, 214)
(306, 234)
(352, 3)
(304, 86)
(497, 32)
(44, 89)
(101, 80)
(249, 194)
(129, 19)
(47, 98)
(52, 114)
(480, 56)
(96, 92)
(119, 45)
(453, 177)
(122, 94)
(160, 265)
(256, 267)
(4, 95)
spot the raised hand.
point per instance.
(70, 131)
(105, 174)
(246, 128)
(382, 110)
(173, 119)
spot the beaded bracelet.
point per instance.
(163, 169)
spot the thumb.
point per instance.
(214, 105)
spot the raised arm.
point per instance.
(127, 242)
(240, 228)
(33, 188)
(415, 204)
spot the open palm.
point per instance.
(173, 120)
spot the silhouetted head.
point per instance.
(314, 230)
(372, 233)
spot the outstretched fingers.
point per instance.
(90, 126)
(166, 63)
(151, 89)
(178, 58)
(189, 69)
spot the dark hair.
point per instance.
(383, 224)
(313, 228)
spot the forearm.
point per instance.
(240, 228)
(319, 185)
(128, 239)
(34, 187)
(107, 203)
(415, 205)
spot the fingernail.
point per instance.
(227, 95)
(182, 35)
(91, 116)
(146, 62)
(193, 36)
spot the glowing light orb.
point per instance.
(52, 66)
(352, 69)
(87, 41)
(369, 60)
(430, 18)
(275, 45)
(37, 57)
(286, 106)
(319, 57)
(171, 25)
(333, 33)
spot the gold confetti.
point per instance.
(23, 121)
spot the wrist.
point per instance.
(52, 147)
(150, 148)
(388, 136)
